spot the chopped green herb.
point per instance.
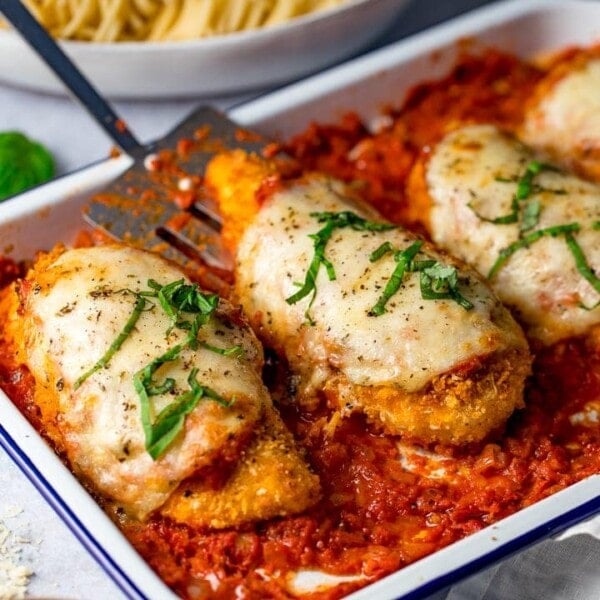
(525, 183)
(440, 282)
(23, 164)
(529, 213)
(403, 258)
(140, 305)
(588, 308)
(233, 351)
(581, 262)
(189, 309)
(530, 217)
(526, 241)
(160, 432)
(332, 222)
(437, 281)
(384, 249)
(178, 297)
(511, 217)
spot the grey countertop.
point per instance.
(37, 548)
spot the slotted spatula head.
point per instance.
(160, 204)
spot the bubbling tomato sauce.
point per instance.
(385, 502)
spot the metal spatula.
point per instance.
(140, 207)
(159, 202)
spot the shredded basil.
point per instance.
(581, 262)
(178, 297)
(160, 432)
(527, 213)
(440, 282)
(437, 281)
(233, 351)
(188, 309)
(511, 217)
(568, 230)
(403, 259)
(140, 305)
(525, 186)
(526, 241)
(530, 215)
(332, 221)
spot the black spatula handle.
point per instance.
(51, 53)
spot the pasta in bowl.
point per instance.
(161, 52)
(138, 20)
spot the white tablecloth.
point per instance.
(32, 536)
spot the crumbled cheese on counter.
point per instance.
(14, 577)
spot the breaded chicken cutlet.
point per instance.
(151, 388)
(364, 311)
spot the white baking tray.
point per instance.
(50, 213)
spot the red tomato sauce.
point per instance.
(491, 88)
(381, 511)
(385, 505)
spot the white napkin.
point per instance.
(564, 568)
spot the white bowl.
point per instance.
(224, 64)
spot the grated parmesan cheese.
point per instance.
(14, 577)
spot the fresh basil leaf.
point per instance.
(177, 299)
(23, 164)
(140, 304)
(437, 281)
(161, 432)
(581, 262)
(508, 218)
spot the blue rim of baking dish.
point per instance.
(538, 533)
(102, 556)
(83, 535)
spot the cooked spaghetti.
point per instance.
(164, 20)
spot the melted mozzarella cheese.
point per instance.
(474, 173)
(565, 119)
(407, 346)
(74, 312)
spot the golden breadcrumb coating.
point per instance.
(271, 479)
(458, 407)
(236, 177)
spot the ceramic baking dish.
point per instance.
(42, 216)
